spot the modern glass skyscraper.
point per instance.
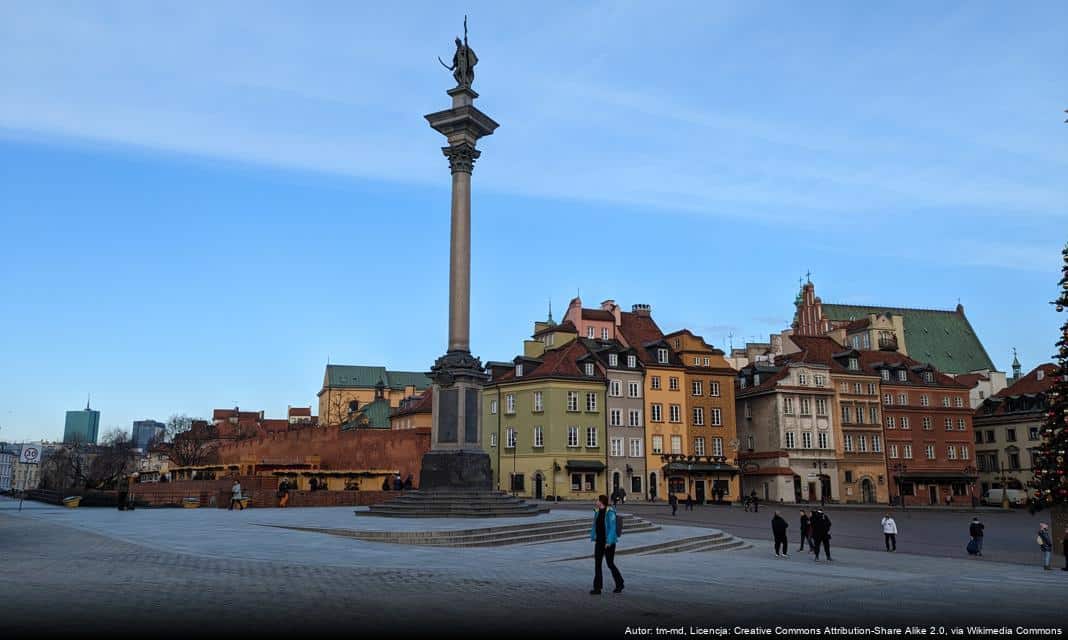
(82, 426)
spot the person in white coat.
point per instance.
(890, 532)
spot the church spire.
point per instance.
(550, 320)
(1015, 365)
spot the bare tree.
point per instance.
(190, 442)
(89, 466)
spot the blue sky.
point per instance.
(200, 203)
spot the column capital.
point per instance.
(461, 156)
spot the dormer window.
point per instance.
(1040, 374)
(902, 375)
(519, 370)
(589, 368)
(854, 364)
(662, 355)
(885, 375)
(613, 360)
(632, 362)
(928, 376)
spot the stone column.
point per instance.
(461, 162)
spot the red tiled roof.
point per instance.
(858, 324)
(1030, 383)
(564, 327)
(638, 330)
(821, 351)
(299, 411)
(597, 314)
(274, 425)
(971, 379)
(559, 362)
(423, 403)
(765, 383)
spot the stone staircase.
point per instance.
(533, 533)
(718, 541)
(454, 503)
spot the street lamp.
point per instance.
(899, 469)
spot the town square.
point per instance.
(575, 336)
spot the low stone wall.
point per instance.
(90, 497)
(211, 493)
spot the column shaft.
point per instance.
(460, 264)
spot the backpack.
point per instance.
(619, 526)
(973, 547)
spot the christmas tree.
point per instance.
(1050, 484)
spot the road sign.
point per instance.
(31, 454)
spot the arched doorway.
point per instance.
(867, 491)
(652, 486)
(538, 482)
(615, 480)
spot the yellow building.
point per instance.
(346, 389)
(415, 412)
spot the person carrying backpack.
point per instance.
(605, 534)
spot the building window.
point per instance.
(676, 485)
(907, 450)
(788, 406)
(583, 481)
(617, 447)
(615, 388)
(874, 413)
(696, 359)
(819, 380)
(822, 440)
(589, 368)
(978, 437)
(632, 362)
(845, 414)
(877, 444)
(892, 453)
(750, 442)
(673, 384)
(930, 450)
(699, 446)
(493, 439)
(844, 387)
(517, 482)
(989, 436)
(717, 417)
(539, 437)
(662, 355)
(885, 375)
(871, 389)
(791, 440)
(854, 364)
(696, 388)
(572, 400)
(902, 399)
(634, 418)
(849, 477)
(863, 441)
(821, 406)
(590, 333)
(924, 400)
(951, 453)
(748, 411)
(806, 440)
(958, 402)
(964, 453)
(509, 403)
(658, 412)
(948, 423)
(717, 447)
(926, 423)
(847, 442)
(537, 401)
(928, 376)
(519, 370)
(655, 384)
(902, 375)
(658, 444)
(591, 436)
(635, 447)
(945, 401)
(613, 360)
(493, 407)
(806, 408)
(962, 424)
(905, 422)
(1032, 433)
(676, 444)
(675, 413)
(890, 422)
(591, 402)
(604, 333)
(888, 399)
(510, 438)
(615, 417)
(572, 437)
(802, 379)
(698, 416)
(713, 388)
(634, 390)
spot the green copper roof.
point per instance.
(943, 338)
(340, 375)
(374, 415)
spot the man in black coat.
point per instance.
(673, 500)
(804, 532)
(778, 529)
(821, 533)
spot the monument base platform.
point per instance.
(466, 470)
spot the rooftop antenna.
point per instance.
(88, 397)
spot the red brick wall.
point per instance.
(262, 489)
(357, 449)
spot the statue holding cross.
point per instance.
(463, 62)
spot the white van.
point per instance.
(1017, 497)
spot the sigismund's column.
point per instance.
(456, 459)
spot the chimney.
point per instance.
(641, 309)
(608, 304)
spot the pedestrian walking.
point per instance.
(755, 501)
(778, 530)
(604, 537)
(805, 531)
(821, 533)
(408, 483)
(1064, 548)
(976, 530)
(615, 497)
(673, 500)
(1045, 545)
(889, 532)
(689, 502)
(235, 496)
(745, 503)
(283, 493)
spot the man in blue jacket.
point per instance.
(603, 534)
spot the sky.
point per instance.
(203, 203)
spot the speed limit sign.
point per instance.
(30, 455)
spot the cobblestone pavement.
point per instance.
(95, 569)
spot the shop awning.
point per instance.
(700, 467)
(585, 465)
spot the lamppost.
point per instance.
(899, 469)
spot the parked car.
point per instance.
(1017, 497)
